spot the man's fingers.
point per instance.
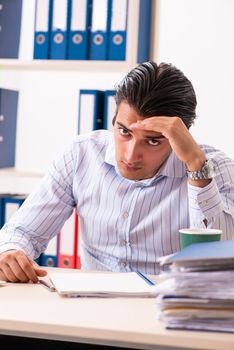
(15, 266)
(40, 272)
(28, 268)
(18, 271)
(9, 274)
(2, 276)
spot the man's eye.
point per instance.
(153, 142)
(123, 132)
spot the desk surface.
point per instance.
(33, 311)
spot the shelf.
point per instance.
(13, 181)
(65, 65)
(26, 62)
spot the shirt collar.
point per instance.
(172, 167)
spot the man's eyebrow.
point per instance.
(155, 137)
(124, 127)
(149, 137)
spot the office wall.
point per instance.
(197, 37)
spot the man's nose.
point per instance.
(132, 154)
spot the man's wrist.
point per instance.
(196, 164)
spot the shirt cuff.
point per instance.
(10, 246)
(206, 202)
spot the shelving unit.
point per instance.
(65, 65)
(49, 90)
(18, 182)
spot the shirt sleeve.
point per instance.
(214, 204)
(44, 212)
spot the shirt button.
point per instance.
(124, 242)
(125, 215)
(123, 264)
(203, 203)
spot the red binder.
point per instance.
(67, 245)
(78, 261)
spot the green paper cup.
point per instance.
(198, 235)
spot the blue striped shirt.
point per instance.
(125, 225)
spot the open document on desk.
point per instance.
(103, 284)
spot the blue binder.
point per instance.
(10, 205)
(8, 117)
(109, 109)
(50, 255)
(10, 23)
(1, 212)
(42, 29)
(59, 29)
(100, 23)
(144, 28)
(90, 111)
(209, 251)
(79, 29)
(118, 30)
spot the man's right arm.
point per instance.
(37, 221)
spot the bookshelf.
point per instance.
(14, 181)
(49, 90)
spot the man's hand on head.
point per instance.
(179, 137)
(16, 266)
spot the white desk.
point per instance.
(32, 311)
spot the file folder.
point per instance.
(90, 111)
(79, 29)
(10, 25)
(1, 212)
(77, 259)
(10, 205)
(59, 30)
(50, 256)
(103, 284)
(8, 121)
(203, 254)
(118, 30)
(42, 29)
(99, 29)
(67, 243)
(144, 28)
(109, 109)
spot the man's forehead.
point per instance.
(144, 133)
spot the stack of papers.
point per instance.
(102, 284)
(198, 290)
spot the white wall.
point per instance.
(197, 36)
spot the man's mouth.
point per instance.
(131, 167)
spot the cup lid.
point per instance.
(201, 231)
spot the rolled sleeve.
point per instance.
(204, 203)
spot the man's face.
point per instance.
(139, 153)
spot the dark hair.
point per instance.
(156, 90)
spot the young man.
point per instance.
(133, 189)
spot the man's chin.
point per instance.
(136, 176)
